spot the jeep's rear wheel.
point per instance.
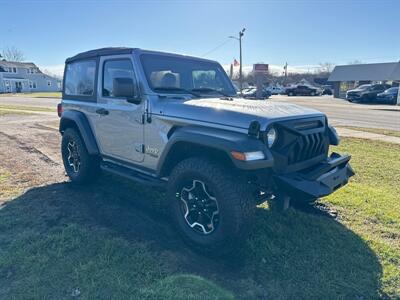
(80, 166)
(210, 208)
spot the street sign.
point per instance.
(260, 68)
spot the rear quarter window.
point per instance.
(80, 78)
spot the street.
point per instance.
(343, 113)
(339, 112)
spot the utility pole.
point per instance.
(285, 67)
(241, 33)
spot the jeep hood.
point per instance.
(238, 112)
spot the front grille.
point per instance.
(299, 141)
(353, 95)
(307, 147)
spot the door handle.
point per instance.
(102, 111)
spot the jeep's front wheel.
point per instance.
(80, 166)
(210, 207)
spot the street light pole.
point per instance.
(241, 33)
(240, 61)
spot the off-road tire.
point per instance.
(89, 168)
(235, 201)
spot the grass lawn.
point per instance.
(21, 108)
(4, 112)
(113, 241)
(376, 130)
(36, 95)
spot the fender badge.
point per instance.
(152, 151)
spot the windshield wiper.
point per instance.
(210, 90)
(175, 89)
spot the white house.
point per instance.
(16, 77)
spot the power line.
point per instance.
(216, 48)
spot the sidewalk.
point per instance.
(346, 132)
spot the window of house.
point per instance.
(79, 78)
(48, 83)
(112, 70)
(7, 83)
(32, 84)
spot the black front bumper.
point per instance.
(318, 181)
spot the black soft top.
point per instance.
(99, 52)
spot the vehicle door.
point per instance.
(301, 90)
(378, 88)
(119, 126)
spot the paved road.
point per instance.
(340, 112)
(29, 101)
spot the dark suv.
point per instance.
(302, 90)
(366, 92)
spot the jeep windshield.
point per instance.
(183, 75)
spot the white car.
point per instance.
(275, 90)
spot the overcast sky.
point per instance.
(303, 33)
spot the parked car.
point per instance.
(327, 90)
(252, 94)
(366, 92)
(302, 90)
(275, 90)
(154, 118)
(388, 96)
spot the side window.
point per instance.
(79, 78)
(118, 78)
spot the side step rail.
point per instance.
(132, 174)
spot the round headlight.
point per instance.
(271, 137)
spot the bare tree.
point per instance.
(355, 62)
(326, 67)
(13, 54)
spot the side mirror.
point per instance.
(125, 88)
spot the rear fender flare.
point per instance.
(76, 118)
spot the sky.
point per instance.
(302, 33)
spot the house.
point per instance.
(17, 77)
(349, 76)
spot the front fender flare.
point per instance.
(222, 140)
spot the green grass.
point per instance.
(36, 95)
(4, 112)
(17, 108)
(113, 241)
(7, 189)
(389, 132)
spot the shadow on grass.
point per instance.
(114, 239)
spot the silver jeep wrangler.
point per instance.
(175, 121)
